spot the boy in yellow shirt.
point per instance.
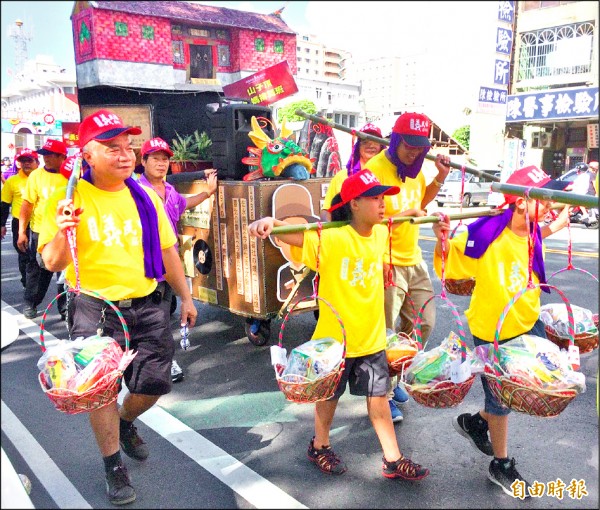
(351, 278)
(495, 251)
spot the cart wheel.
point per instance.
(258, 331)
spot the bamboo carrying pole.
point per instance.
(564, 197)
(291, 229)
(386, 142)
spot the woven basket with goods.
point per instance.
(536, 379)
(83, 375)
(429, 378)
(586, 337)
(312, 370)
(400, 351)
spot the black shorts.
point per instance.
(366, 375)
(148, 323)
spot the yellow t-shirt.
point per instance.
(351, 280)
(12, 192)
(41, 186)
(405, 237)
(109, 242)
(499, 273)
(335, 186)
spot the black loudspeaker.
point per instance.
(230, 140)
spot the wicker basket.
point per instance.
(445, 393)
(302, 390)
(519, 394)
(462, 287)
(102, 393)
(586, 342)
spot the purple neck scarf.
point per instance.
(353, 164)
(484, 231)
(404, 171)
(153, 265)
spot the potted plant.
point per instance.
(191, 152)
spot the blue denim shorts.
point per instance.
(366, 375)
(492, 405)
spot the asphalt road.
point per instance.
(225, 437)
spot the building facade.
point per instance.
(552, 109)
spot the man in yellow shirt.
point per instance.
(124, 244)
(12, 198)
(41, 185)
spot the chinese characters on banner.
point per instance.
(264, 87)
(553, 104)
(504, 37)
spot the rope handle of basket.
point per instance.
(333, 310)
(531, 230)
(390, 275)
(570, 328)
(75, 291)
(444, 217)
(316, 278)
(462, 188)
(570, 266)
(461, 328)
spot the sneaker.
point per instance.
(400, 396)
(118, 486)
(404, 468)
(325, 459)
(477, 435)
(30, 312)
(504, 474)
(176, 372)
(132, 444)
(396, 413)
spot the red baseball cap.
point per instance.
(414, 129)
(362, 184)
(53, 147)
(66, 169)
(102, 126)
(371, 129)
(155, 145)
(27, 153)
(532, 177)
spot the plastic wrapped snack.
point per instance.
(399, 347)
(537, 362)
(434, 366)
(313, 359)
(555, 316)
(78, 365)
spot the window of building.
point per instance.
(278, 46)
(38, 140)
(337, 118)
(148, 32)
(305, 38)
(259, 44)
(306, 50)
(344, 119)
(121, 29)
(319, 91)
(352, 119)
(563, 50)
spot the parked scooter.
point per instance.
(591, 221)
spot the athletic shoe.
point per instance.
(477, 433)
(118, 486)
(504, 474)
(325, 459)
(396, 413)
(404, 468)
(30, 312)
(400, 396)
(176, 372)
(131, 442)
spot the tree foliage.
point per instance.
(287, 112)
(463, 135)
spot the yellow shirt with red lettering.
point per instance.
(499, 274)
(350, 280)
(12, 192)
(41, 186)
(405, 236)
(109, 242)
